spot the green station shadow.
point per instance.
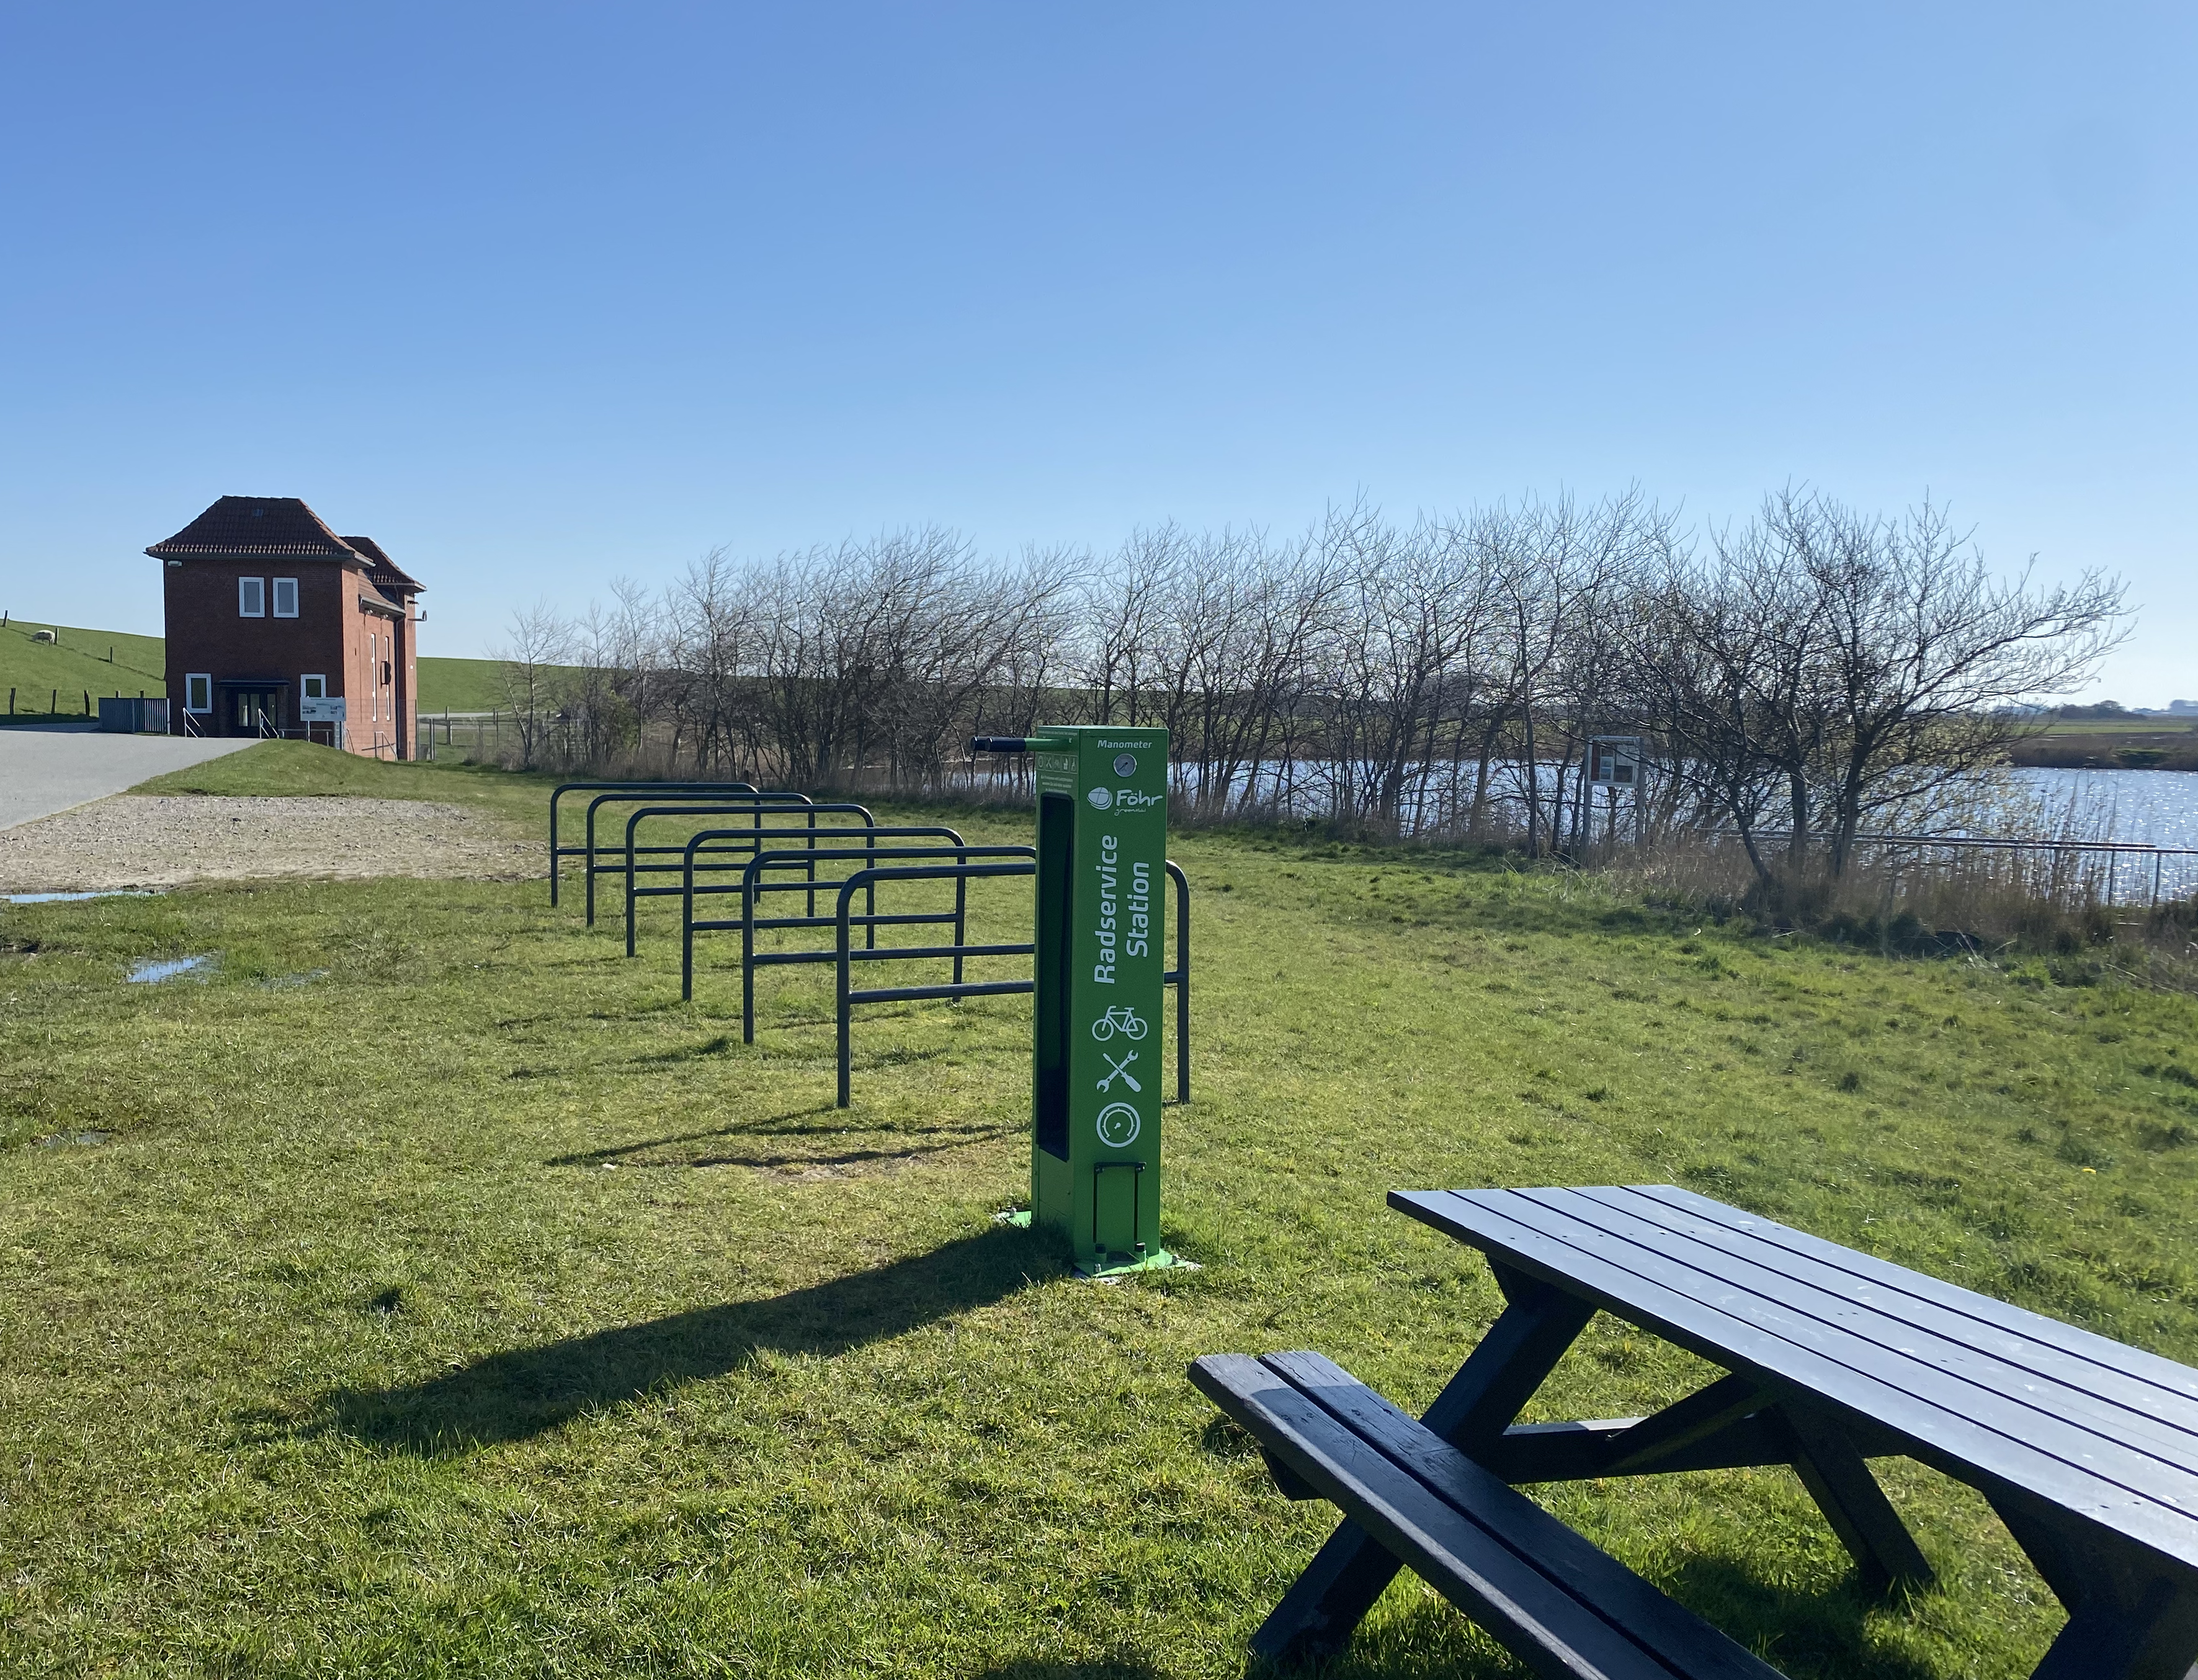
(523, 1392)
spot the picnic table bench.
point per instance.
(2087, 1449)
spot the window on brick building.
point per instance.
(252, 597)
(286, 597)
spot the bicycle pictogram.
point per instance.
(1120, 1018)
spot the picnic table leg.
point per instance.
(2128, 1619)
(1839, 1480)
(1327, 1602)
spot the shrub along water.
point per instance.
(1814, 671)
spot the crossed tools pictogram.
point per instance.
(1120, 1071)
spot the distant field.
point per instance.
(2177, 727)
(2137, 743)
(461, 685)
(57, 676)
(60, 675)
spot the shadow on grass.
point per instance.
(522, 1394)
(1807, 1635)
(706, 1147)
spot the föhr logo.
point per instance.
(1100, 798)
(1129, 799)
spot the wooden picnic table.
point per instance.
(2087, 1449)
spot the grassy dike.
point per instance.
(430, 1292)
(110, 662)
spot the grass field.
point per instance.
(461, 685)
(58, 675)
(79, 664)
(430, 1292)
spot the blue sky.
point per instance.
(542, 295)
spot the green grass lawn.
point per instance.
(57, 675)
(79, 663)
(461, 685)
(428, 1291)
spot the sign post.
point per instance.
(1614, 761)
(1095, 1066)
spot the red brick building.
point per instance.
(277, 625)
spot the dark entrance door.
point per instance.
(254, 708)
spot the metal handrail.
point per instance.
(2114, 851)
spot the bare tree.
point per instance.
(536, 648)
(1834, 667)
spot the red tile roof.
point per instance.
(383, 572)
(243, 525)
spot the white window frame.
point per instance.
(203, 682)
(276, 602)
(252, 597)
(313, 686)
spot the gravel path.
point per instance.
(135, 841)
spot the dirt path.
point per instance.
(134, 841)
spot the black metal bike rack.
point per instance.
(1179, 978)
(960, 852)
(557, 853)
(805, 850)
(845, 956)
(700, 804)
(747, 842)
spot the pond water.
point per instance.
(2146, 807)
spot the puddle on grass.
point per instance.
(152, 970)
(80, 1140)
(79, 898)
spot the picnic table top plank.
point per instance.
(1953, 1423)
(1910, 1337)
(1726, 1285)
(2155, 1371)
(2043, 1373)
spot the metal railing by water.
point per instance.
(2117, 853)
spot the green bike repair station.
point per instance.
(1095, 1056)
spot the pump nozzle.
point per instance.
(999, 743)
